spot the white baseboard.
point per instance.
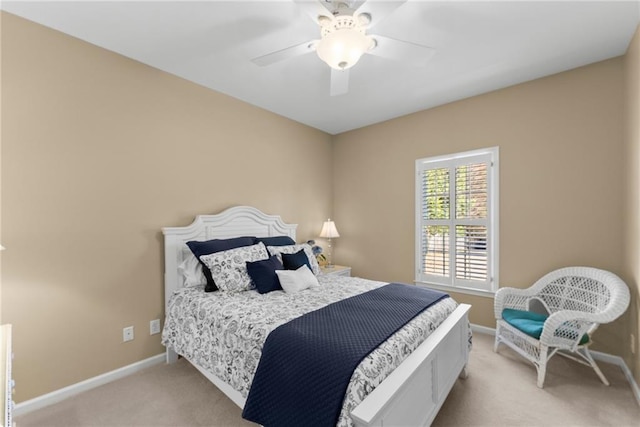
(597, 355)
(66, 392)
(483, 330)
(619, 361)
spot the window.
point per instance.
(457, 221)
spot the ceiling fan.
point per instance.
(344, 39)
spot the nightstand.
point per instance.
(336, 270)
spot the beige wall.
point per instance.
(561, 196)
(631, 66)
(98, 153)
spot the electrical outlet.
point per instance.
(633, 344)
(154, 327)
(127, 334)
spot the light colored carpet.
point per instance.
(500, 391)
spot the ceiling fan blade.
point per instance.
(378, 10)
(314, 8)
(289, 52)
(339, 82)
(399, 50)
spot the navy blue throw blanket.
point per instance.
(307, 363)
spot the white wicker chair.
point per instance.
(577, 299)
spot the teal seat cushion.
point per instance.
(529, 322)
(526, 321)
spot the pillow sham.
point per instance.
(191, 270)
(212, 246)
(292, 249)
(295, 261)
(293, 281)
(276, 241)
(229, 268)
(263, 274)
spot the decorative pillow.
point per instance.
(229, 268)
(276, 241)
(292, 249)
(293, 281)
(216, 245)
(191, 269)
(263, 274)
(295, 261)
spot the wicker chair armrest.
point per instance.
(565, 328)
(511, 298)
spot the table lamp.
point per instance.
(329, 231)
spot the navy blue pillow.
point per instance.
(263, 274)
(295, 261)
(212, 246)
(276, 241)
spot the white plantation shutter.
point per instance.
(436, 211)
(456, 220)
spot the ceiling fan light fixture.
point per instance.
(343, 48)
(343, 42)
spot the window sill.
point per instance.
(459, 290)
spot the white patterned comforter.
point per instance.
(225, 332)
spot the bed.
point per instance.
(411, 394)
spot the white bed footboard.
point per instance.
(414, 392)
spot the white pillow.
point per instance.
(292, 249)
(293, 281)
(191, 270)
(229, 268)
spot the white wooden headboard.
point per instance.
(234, 222)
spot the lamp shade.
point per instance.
(329, 230)
(1, 248)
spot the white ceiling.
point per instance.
(481, 46)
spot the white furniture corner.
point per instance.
(6, 389)
(411, 395)
(336, 270)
